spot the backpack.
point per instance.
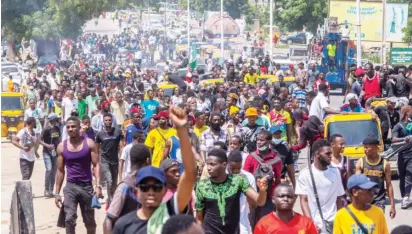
(265, 169)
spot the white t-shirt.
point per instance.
(329, 187)
(318, 104)
(26, 139)
(126, 158)
(245, 227)
(68, 106)
(37, 113)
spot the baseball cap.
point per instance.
(150, 172)
(161, 114)
(168, 163)
(361, 181)
(251, 112)
(275, 129)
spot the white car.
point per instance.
(12, 70)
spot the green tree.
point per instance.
(293, 15)
(407, 37)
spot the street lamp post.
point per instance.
(188, 27)
(221, 32)
(358, 39)
(271, 29)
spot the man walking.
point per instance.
(50, 139)
(109, 143)
(76, 155)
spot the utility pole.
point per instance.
(271, 29)
(383, 48)
(188, 27)
(358, 39)
(222, 57)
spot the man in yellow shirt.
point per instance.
(370, 217)
(156, 139)
(10, 84)
(200, 126)
(251, 78)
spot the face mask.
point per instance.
(263, 148)
(277, 141)
(215, 126)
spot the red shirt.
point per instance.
(251, 165)
(371, 87)
(318, 82)
(271, 224)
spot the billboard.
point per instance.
(401, 56)
(396, 17)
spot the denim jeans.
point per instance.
(50, 162)
(110, 175)
(79, 194)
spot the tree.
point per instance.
(407, 37)
(293, 15)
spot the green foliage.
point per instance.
(407, 37)
(293, 15)
(235, 8)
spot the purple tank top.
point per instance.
(78, 164)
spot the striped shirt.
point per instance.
(300, 95)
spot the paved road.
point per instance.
(46, 212)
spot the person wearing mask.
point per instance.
(76, 157)
(50, 139)
(283, 219)
(222, 188)
(135, 125)
(25, 140)
(264, 154)
(401, 134)
(156, 139)
(213, 134)
(151, 188)
(234, 167)
(109, 142)
(360, 211)
(124, 199)
(321, 199)
(281, 148)
(320, 105)
(377, 170)
(150, 105)
(251, 130)
(370, 84)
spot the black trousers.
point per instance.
(405, 175)
(110, 174)
(26, 169)
(79, 194)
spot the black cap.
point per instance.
(371, 140)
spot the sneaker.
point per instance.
(406, 203)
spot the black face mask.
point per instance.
(215, 126)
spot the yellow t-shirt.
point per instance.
(373, 220)
(199, 131)
(10, 86)
(156, 139)
(251, 79)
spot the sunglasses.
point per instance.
(146, 187)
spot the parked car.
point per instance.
(44, 60)
(299, 38)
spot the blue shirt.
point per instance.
(149, 107)
(130, 130)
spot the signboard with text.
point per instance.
(401, 56)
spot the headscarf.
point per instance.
(350, 96)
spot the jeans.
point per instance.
(26, 169)
(79, 194)
(405, 175)
(50, 162)
(110, 174)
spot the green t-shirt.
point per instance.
(81, 108)
(220, 202)
(91, 103)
